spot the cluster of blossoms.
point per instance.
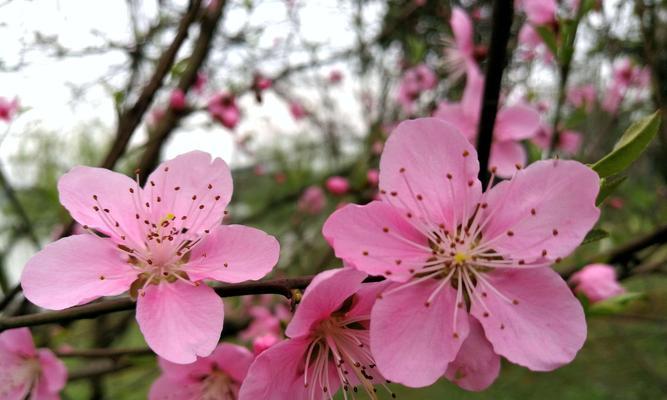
(467, 277)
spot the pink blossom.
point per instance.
(376, 147)
(27, 372)
(263, 322)
(582, 96)
(469, 271)
(616, 202)
(177, 100)
(513, 124)
(328, 346)
(312, 201)
(200, 82)
(569, 141)
(613, 98)
(540, 12)
(337, 185)
(222, 107)
(261, 82)
(159, 242)
(460, 53)
(262, 343)
(415, 81)
(8, 109)
(597, 282)
(373, 177)
(297, 110)
(335, 76)
(218, 376)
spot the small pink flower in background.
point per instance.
(155, 116)
(328, 346)
(459, 52)
(468, 271)
(337, 185)
(280, 177)
(218, 376)
(222, 108)
(335, 76)
(373, 177)
(615, 202)
(513, 124)
(312, 201)
(597, 282)
(569, 141)
(260, 82)
(377, 147)
(415, 81)
(263, 322)
(262, 343)
(161, 242)
(583, 96)
(27, 372)
(200, 82)
(613, 98)
(177, 100)
(297, 110)
(8, 109)
(539, 12)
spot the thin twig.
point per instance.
(503, 11)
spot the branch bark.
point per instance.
(503, 12)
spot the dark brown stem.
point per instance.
(503, 12)
(104, 352)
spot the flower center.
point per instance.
(218, 386)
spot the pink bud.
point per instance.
(222, 107)
(337, 185)
(373, 177)
(297, 110)
(616, 202)
(263, 342)
(8, 108)
(335, 76)
(262, 82)
(597, 282)
(177, 100)
(312, 201)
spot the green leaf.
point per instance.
(614, 304)
(594, 235)
(629, 147)
(608, 186)
(549, 38)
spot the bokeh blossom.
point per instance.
(414, 82)
(160, 242)
(27, 372)
(8, 109)
(312, 200)
(597, 282)
(222, 108)
(216, 377)
(513, 124)
(470, 271)
(337, 185)
(328, 346)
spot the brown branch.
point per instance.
(503, 11)
(130, 119)
(208, 26)
(98, 369)
(283, 286)
(104, 352)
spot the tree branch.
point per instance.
(503, 11)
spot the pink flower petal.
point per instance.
(192, 186)
(540, 12)
(413, 343)
(548, 208)
(232, 359)
(233, 253)
(17, 341)
(517, 122)
(476, 366)
(54, 372)
(472, 93)
(453, 113)
(77, 188)
(429, 169)
(75, 270)
(462, 29)
(537, 323)
(277, 374)
(505, 156)
(325, 294)
(165, 388)
(180, 321)
(375, 238)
